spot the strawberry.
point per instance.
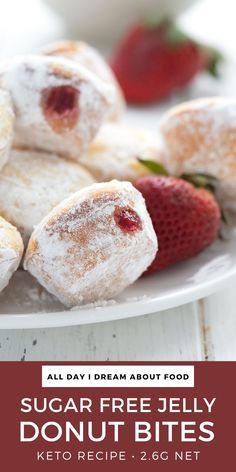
(186, 219)
(154, 60)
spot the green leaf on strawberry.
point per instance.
(153, 166)
(201, 180)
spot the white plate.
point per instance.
(24, 304)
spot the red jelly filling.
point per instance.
(60, 106)
(127, 219)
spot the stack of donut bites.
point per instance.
(67, 203)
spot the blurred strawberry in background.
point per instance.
(156, 58)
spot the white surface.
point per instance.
(105, 20)
(204, 330)
(199, 331)
(24, 304)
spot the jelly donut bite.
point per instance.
(200, 136)
(93, 245)
(59, 105)
(6, 126)
(115, 150)
(35, 182)
(11, 250)
(89, 57)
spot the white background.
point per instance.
(26, 24)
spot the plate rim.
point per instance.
(110, 312)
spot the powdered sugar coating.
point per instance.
(81, 255)
(200, 136)
(35, 182)
(6, 126)
(89, 57)
(27, 77)
(115, 150)
(11, 250)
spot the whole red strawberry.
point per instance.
(186, 219)
(153, 60)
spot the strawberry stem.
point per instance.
(215, 60)
(154, 22)
(175, 36)
(201, 180)
(154, 167)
